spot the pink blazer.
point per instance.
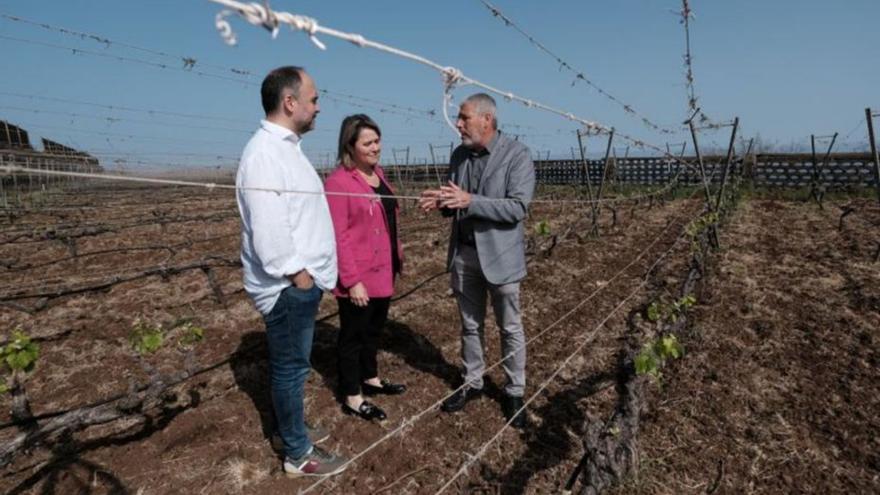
(363, 247)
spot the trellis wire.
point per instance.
(412, 419)
(213, 185)
(579, 75)
(113, 120)
(589, 338)
(118, 107)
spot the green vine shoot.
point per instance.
(19, 355)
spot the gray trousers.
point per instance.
(470, 288)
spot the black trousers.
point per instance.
(360, 328)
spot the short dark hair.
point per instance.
(348, 135)
(273, 86)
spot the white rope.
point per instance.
(212, 186)
(261, 15)
(414, 418)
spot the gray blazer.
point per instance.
(509, 179)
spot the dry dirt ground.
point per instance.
(777, 387)
(780, 389)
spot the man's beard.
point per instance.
(308, 126)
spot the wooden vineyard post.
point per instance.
(869, 116)
(720, 196)
(408, 166)
(821, 189)
(671, 192)
(2, 187)
(434, 161)
(713, 234)
(700, 163)
(398, 177)
(677, 161)
(602, 179)
(586, 171)
(750, 173)
(815, 187)
(872, 139)
(15, 189)
(605, 165)
(684, 146)
(428, 170)
(30, 177)
(814, 184)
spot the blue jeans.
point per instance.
(290, 328)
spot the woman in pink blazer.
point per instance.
(369, 255)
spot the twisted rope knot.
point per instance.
(261, 14)
(307, 24)
(451, 77)
(224, 28)
(302, 23)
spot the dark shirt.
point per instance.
(474, 167)
(389, 204)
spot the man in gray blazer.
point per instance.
(490, 184)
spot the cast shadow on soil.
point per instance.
(66, 468)
(250, 362)
(418, 352)
(551, 443)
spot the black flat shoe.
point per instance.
(366, 410)
(387, 388)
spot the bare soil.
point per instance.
(778, 387)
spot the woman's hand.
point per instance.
(358, 295)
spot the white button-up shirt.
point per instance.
(284, 233)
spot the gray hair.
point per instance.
(483, 104)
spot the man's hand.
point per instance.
(358, 295)
(454, 197)
(302, 280)
(430, 199)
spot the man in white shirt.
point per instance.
(288, 254)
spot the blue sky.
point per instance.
(787, 68)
